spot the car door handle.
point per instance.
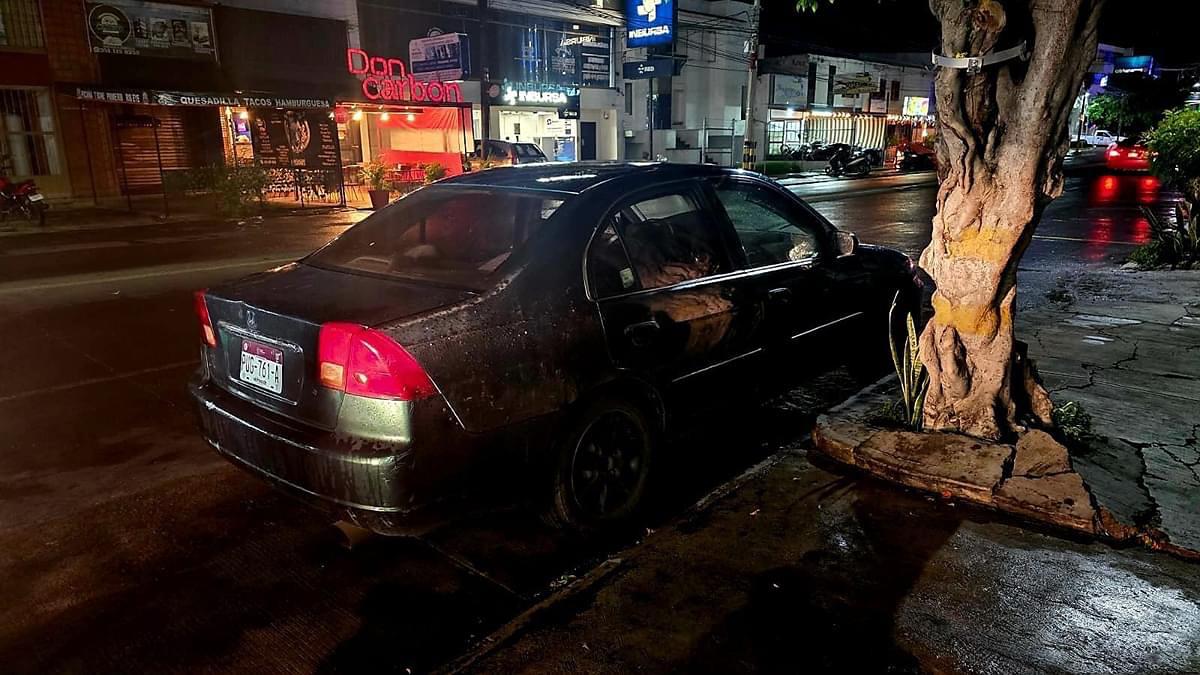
(642, 334)
(779, 295)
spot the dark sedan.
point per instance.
(532, 330)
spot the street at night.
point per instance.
(127, 544)
(604, 336)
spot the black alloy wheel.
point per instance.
(603, 468)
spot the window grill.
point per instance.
(27, 135)
(21, 25)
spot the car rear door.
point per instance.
(790, 266)
(673, 309)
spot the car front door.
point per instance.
(674, 310)
(791, 266)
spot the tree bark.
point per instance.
(1003, 134)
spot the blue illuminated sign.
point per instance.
(649, 22)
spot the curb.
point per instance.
(1032, 479)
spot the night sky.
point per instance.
(1168, 29)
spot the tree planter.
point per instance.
(379, 198)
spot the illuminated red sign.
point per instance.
(389, 80)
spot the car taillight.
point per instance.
(365, 362)
(206, 328)
(1114, 153)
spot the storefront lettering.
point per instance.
(513, 96)
(389, 80)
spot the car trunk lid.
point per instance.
(267, 328)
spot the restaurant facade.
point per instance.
(139, 97)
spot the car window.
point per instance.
(670, 239)
(609, 268)
(497, 150)
(455, 236)
(529, 150)
(766, 227)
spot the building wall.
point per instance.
(706, 114)
(84, 131)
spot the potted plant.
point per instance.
(374, 174)
(434, 172)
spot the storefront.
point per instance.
(536, 66)
(166, 141)
(404, 115)
(546, 115)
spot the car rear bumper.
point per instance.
(378, 485)
(1124, 164)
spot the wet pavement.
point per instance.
(126, 544)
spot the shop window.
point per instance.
(21, 25)
(895, 90)
(29, 146)
(670, 239)
(709, 39)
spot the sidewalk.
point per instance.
(800, 570)
(1124, 345)
(149, 211)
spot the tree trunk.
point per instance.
(1003, 134)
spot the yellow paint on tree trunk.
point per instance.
(981, 319)
(987, 244)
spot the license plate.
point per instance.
(261, 366)
(36, 197)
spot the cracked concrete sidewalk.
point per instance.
(1126, 346)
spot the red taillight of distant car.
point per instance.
(206, 328)
(366, 362)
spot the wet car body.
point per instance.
(584, 324)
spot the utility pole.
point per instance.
(653, 106)
(749, 138)
(485, 110)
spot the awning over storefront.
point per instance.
(190, 98)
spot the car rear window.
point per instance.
(1128, 142)
(452, 236)
(529, 150)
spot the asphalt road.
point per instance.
(127, 545)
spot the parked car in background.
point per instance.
(535, 331)
(1127, 155)
(506, 153)
(915, 157)
(1101, 137)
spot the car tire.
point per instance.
(607, 452)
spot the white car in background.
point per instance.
(1101, 137)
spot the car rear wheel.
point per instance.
(603, 467)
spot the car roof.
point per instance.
(578, 177)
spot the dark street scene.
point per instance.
(604, 336)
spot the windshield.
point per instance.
(452, 236)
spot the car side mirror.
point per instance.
(846, 243)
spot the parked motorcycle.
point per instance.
(23, 198)
(847, 162)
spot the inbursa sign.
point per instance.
(649, 22)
